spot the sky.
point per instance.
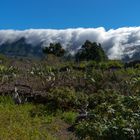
(62, 14)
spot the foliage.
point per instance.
(7, 70)
(108, 90)
(62, 97)
(3, 59)
(91, 51)
(16, 122)
(111, 64)
(55, 49)
(7, 73)
(69, 117)
(66, 98)
(112, 116)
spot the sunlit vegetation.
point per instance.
(106, 92)
(16, 122)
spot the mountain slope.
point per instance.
(20, 48)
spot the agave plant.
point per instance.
(136, 84)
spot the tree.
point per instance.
(55, 49)
(91, 51)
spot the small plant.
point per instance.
(69, 117)
(62, 98)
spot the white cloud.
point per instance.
(116, 42)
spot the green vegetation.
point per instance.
(69, 117)
(16, 122)
(113, 116)
(55, 49)
(95, 98)
(91, 51)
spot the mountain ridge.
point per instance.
(21, 48)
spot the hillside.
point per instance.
(62, 100)
(21, 48)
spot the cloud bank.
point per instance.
(117, 43)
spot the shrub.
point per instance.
(91, 51)
(62, 97)
(69, 117)
(66, 98)
(112, 116)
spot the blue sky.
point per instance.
(61, 14)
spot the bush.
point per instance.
(69, 117)
(112, 116)
(66, 98)
(62, 97)
(91, 51)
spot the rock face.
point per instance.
(20, 48)
(132, 53)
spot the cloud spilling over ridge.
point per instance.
(116, 42)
